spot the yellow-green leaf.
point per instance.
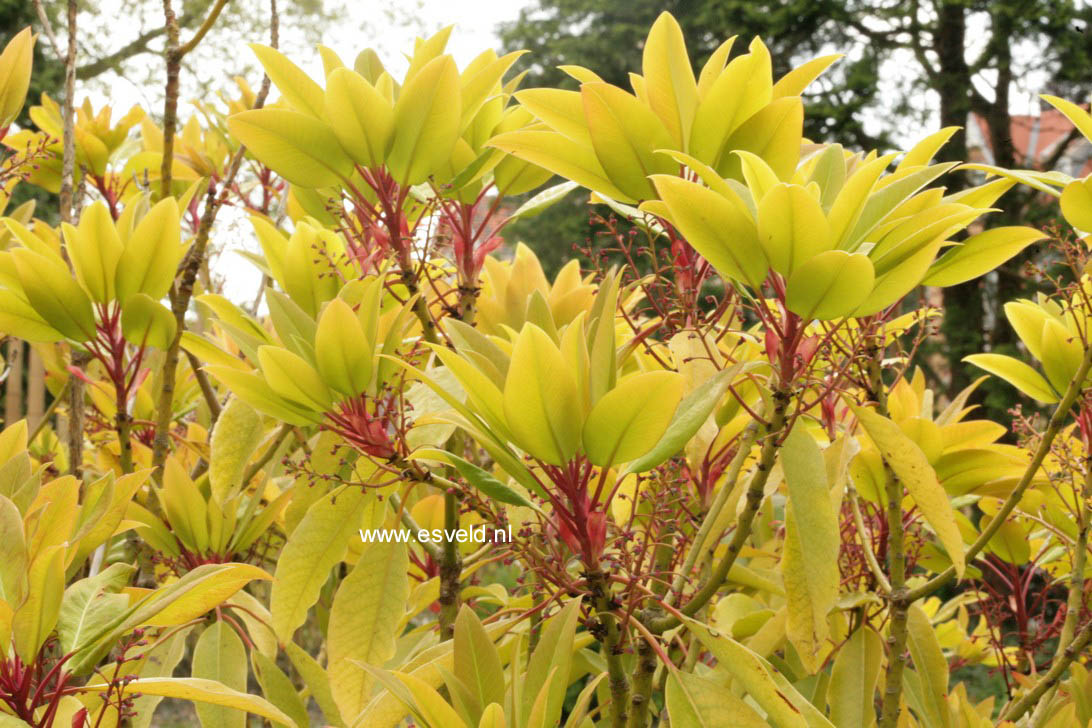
(198, 690)
(237, 433)
(364, 621)
(290, 376)
(853, 679)
(151, 254)
(316, 545)
(792, 227)
(830, 285)
(147, 322)
(360, 116)
(717, 227)
(426, 122)
(220, 657)
(698, 702)
(54, 295)
(541, 401)
(296, 146)
(980, 254)
(912, 468)
(342, 351)
(15, 67)
(631, 418)
(810, 575)
(672, 89)
(298, 89)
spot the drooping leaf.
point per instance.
(853, 680)
(364, 619)
(219, 656)
(697, 702)
(912, 468)
(316, 545)
(812, 534)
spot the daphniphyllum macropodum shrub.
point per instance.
(713, 487)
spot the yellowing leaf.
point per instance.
(36, 617)
(290, 376)
(196, 593)
(316, 545)
(55, 296)
(631, 418)
(342, 351)
(364, 621)
(812, 534)
(297, 88)
(477, 662)
(697, 702)
(1077, 204)
(426, 122)
(94, 249)
(930, 664)
(151, 254)
(198, 690)
(752, 675)
(830, 285)
(15, 67)
(147, 322)
(571, 159)
(298, 147)
(237, 432)
(541, 401)
(625, 134)
(911, 467)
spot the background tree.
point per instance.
(940, 60)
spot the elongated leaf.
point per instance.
(912, 468)
(853, 680)
(812, 534)
(689, 416)
(237, 433)
(830, 285)
(278, 689)
(364, 620)
(930, 664)
(477, 661)
(220, 657)
(746, 667)
(317, 544)
(298, 147)
(481, 479)
(980, 254)
(1016, 373)
(198, 690)
(541, 399)
(630, 419)
(697, 702)
(426, 122)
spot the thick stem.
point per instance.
(123, 424)
(771, 445)
(611, 640)
(640, 700)
(451, 569)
